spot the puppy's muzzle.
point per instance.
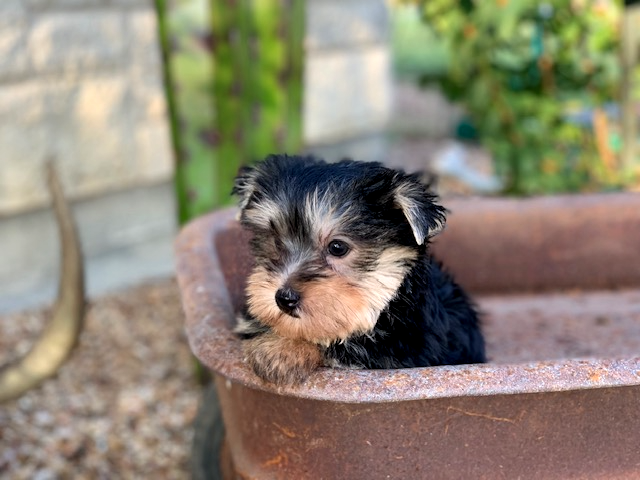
(288, 300)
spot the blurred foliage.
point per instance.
(416, 49)
(234, 74)
(184, 30)
(520, 68)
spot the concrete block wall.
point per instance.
(80, 80)
(348, 99)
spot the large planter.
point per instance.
(559, 280)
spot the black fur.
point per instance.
(430, 322)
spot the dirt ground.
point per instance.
(121, 407)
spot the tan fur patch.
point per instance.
(283, 361)
(263, 213)
(333, 308)
(404, 198)
(261, 290)
(381, 285)
(321, 212)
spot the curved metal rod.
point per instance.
(60, 336)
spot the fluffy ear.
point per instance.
(425, 217)
(244, 185)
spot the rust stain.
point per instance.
(278, 461)
(396, 379)
(485, 415)
(314, 443)
(287, 432)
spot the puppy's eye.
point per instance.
(338, 248)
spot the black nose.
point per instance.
(287, 299)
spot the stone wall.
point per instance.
(347, 78)
(79, 81)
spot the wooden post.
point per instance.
(630, 61)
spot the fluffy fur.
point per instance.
(343, 275)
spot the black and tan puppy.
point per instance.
(343, 276)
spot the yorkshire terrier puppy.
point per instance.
(343, 276)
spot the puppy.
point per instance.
(343, 276)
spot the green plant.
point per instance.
(188, 72)
(409, 38)
(234, 78)
(258, 78)
(519, 67)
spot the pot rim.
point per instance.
(209, 312)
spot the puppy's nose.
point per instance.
(287, 299)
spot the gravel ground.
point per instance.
(121, 407)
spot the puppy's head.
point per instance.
(332, 242)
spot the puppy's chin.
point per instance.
(331, 309)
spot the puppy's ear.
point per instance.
(244, 185)
(425, 217)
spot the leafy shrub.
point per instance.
(520, 68)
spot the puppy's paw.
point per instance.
(280, 360)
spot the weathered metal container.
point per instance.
(559, 281)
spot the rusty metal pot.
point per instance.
(541, 408)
